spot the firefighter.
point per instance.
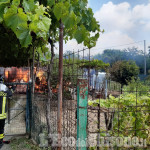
(5, 93)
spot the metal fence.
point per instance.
(110, 112)
(16, 119)
(18, 105)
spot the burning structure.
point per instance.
(14, 74)
(23, 75)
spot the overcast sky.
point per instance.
(124, 22)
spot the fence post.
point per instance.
(28, 110)
(82, 99)
(106, 89)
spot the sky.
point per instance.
(126, 24)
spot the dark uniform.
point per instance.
(5, 93)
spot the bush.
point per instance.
(136, 86)
(123, 72)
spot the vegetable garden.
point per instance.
(127, 114)
(27, 27)
(121, 113)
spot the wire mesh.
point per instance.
(15, 124)
(110, 112)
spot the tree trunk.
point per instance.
(36, 71)
(48, 105)
(33, 77)
(30, 71)
(59, 114)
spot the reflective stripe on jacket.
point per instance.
(4, 94)
(1, 136)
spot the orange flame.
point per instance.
(16, 74)
(40, 81)
(22, 75)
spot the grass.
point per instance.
(24, 143)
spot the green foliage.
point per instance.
(148, 77)
(136, 86)
(34, 21)
(71, 71)
(80, 34)
(127, 114)
(24, 143)
(25, 21)
(50, 2)
(14, 17)
(23, 34)
(23, 25)
(60, 9)
(28, 5)
(69, 19)
(3, 4)
(113, 55)
(123, 71)
(94, 64)
(78, 20)
(73, 68)
(43, 54)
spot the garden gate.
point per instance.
(18, 121)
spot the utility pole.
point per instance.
(149, 51)
(144, 57)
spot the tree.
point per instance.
(76, 21)
(34, 25)
(110, 56)
(123, 72)
(136, 55)
(131, 53)
(24, 24)
(27, 19)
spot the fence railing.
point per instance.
(110, 113)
